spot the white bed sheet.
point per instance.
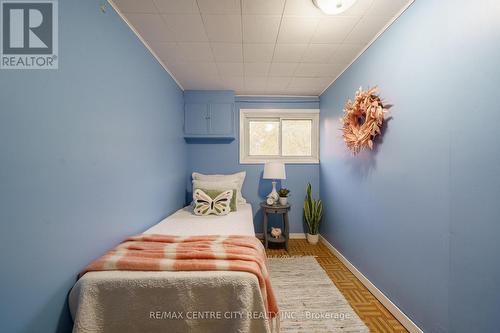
(185, 223)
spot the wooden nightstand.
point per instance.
(275, 209)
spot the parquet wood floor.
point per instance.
(368, 308)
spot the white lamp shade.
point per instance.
(274, 170)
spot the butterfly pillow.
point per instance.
(212, 202)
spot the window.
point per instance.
(290, 136)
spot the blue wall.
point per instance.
(419, 216)
(223, 157)
(89, 154)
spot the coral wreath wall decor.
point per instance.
(363, 119)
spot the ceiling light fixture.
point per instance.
(333, 7)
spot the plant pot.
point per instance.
(312, 239)
(283, 201)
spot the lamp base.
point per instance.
(274, 193)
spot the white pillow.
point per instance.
(239, 177)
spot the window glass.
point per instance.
(296, 137)
(264, 137)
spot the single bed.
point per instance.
(186, 301)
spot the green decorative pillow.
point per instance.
(214, 193)
(214, 202)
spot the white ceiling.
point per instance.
(256, 47)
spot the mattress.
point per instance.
(185, 223)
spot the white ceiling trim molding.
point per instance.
(280, 96)
(370, 43)
(143, 41)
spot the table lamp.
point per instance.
(274, 170)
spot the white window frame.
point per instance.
(246, 115)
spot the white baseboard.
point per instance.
(396, 312)
(297, 235)
(293, 235)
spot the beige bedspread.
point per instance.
(206, 301)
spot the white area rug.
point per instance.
(308, 299)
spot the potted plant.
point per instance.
(283, 193)
(313, 211)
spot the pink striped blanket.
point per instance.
(194, 253)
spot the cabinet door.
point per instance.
(221, 119)
(196, 119)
